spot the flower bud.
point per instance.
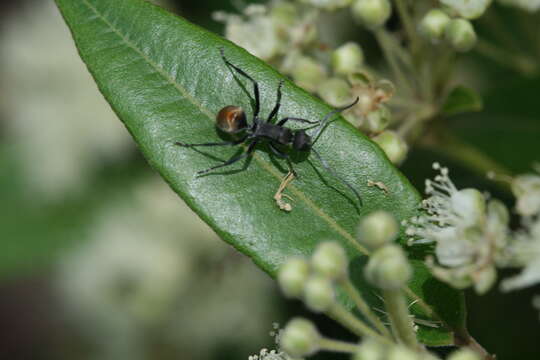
(393, 145)
(470, 205)
(370, 350)
(526, 189)
(371, 13)
(433, 24)
(335, 91)
(308, 73)
(460, 34)
(484, 279)
(330, 260)
(469, 9)
(292, 277)
(377, 120)
(283, 14)
(347, 58)
(300, 338)
(464, 354)
(388, 268)
(377, 229)
(400, 352)
(319, 293)
(328, 4)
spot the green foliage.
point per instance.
(166, 81)
(461, 100)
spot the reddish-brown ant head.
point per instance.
(231, 119)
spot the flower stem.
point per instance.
(337, 346)
(408, 24)
(402, 325)
(364, 308)
(355, 325)
(383, 38)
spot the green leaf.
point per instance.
(462, 99)
(165, 79)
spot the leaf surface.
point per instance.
(165, 79)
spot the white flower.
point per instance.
(60, 125)
(526, 189)
(524, 251)
(469, 9)
(469, 235)
(149, 261)
(254, 30)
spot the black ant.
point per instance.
(232, 120)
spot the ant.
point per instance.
(231, 120)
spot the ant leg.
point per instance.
(243, 73)
(325, 121)
(285, 156)
(284, 120)
(331, 171)
(232, 160)
(224, 143)
(278, 103)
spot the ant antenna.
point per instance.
(325, 121)
(331, 171)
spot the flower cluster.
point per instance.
(472, 236)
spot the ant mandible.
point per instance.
(232, 120)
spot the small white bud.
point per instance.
(393, 145)
(370, 350)
(328, 4)
(371, 13)
(319, 293)
(433, 24)
(388, 268)
(378, 120)
(377, 229)
(400, 352)
(292, 276)
(469, 9)
(460, 34)
(464, 354)
(526, 189)
(300, 338)
(308, 73)
(283, 14)
(335, 91)
(347, 58)
(330, 260)
(484, 280)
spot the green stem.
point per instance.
(387, 47)
(337, 346)
(408, 24)
(364, 308)
(402, 325)
(355, 325)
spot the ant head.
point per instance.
(301, 141)
(231, 119)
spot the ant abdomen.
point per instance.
(231, 119)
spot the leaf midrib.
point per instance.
(331, 222)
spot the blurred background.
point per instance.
(99, 259)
